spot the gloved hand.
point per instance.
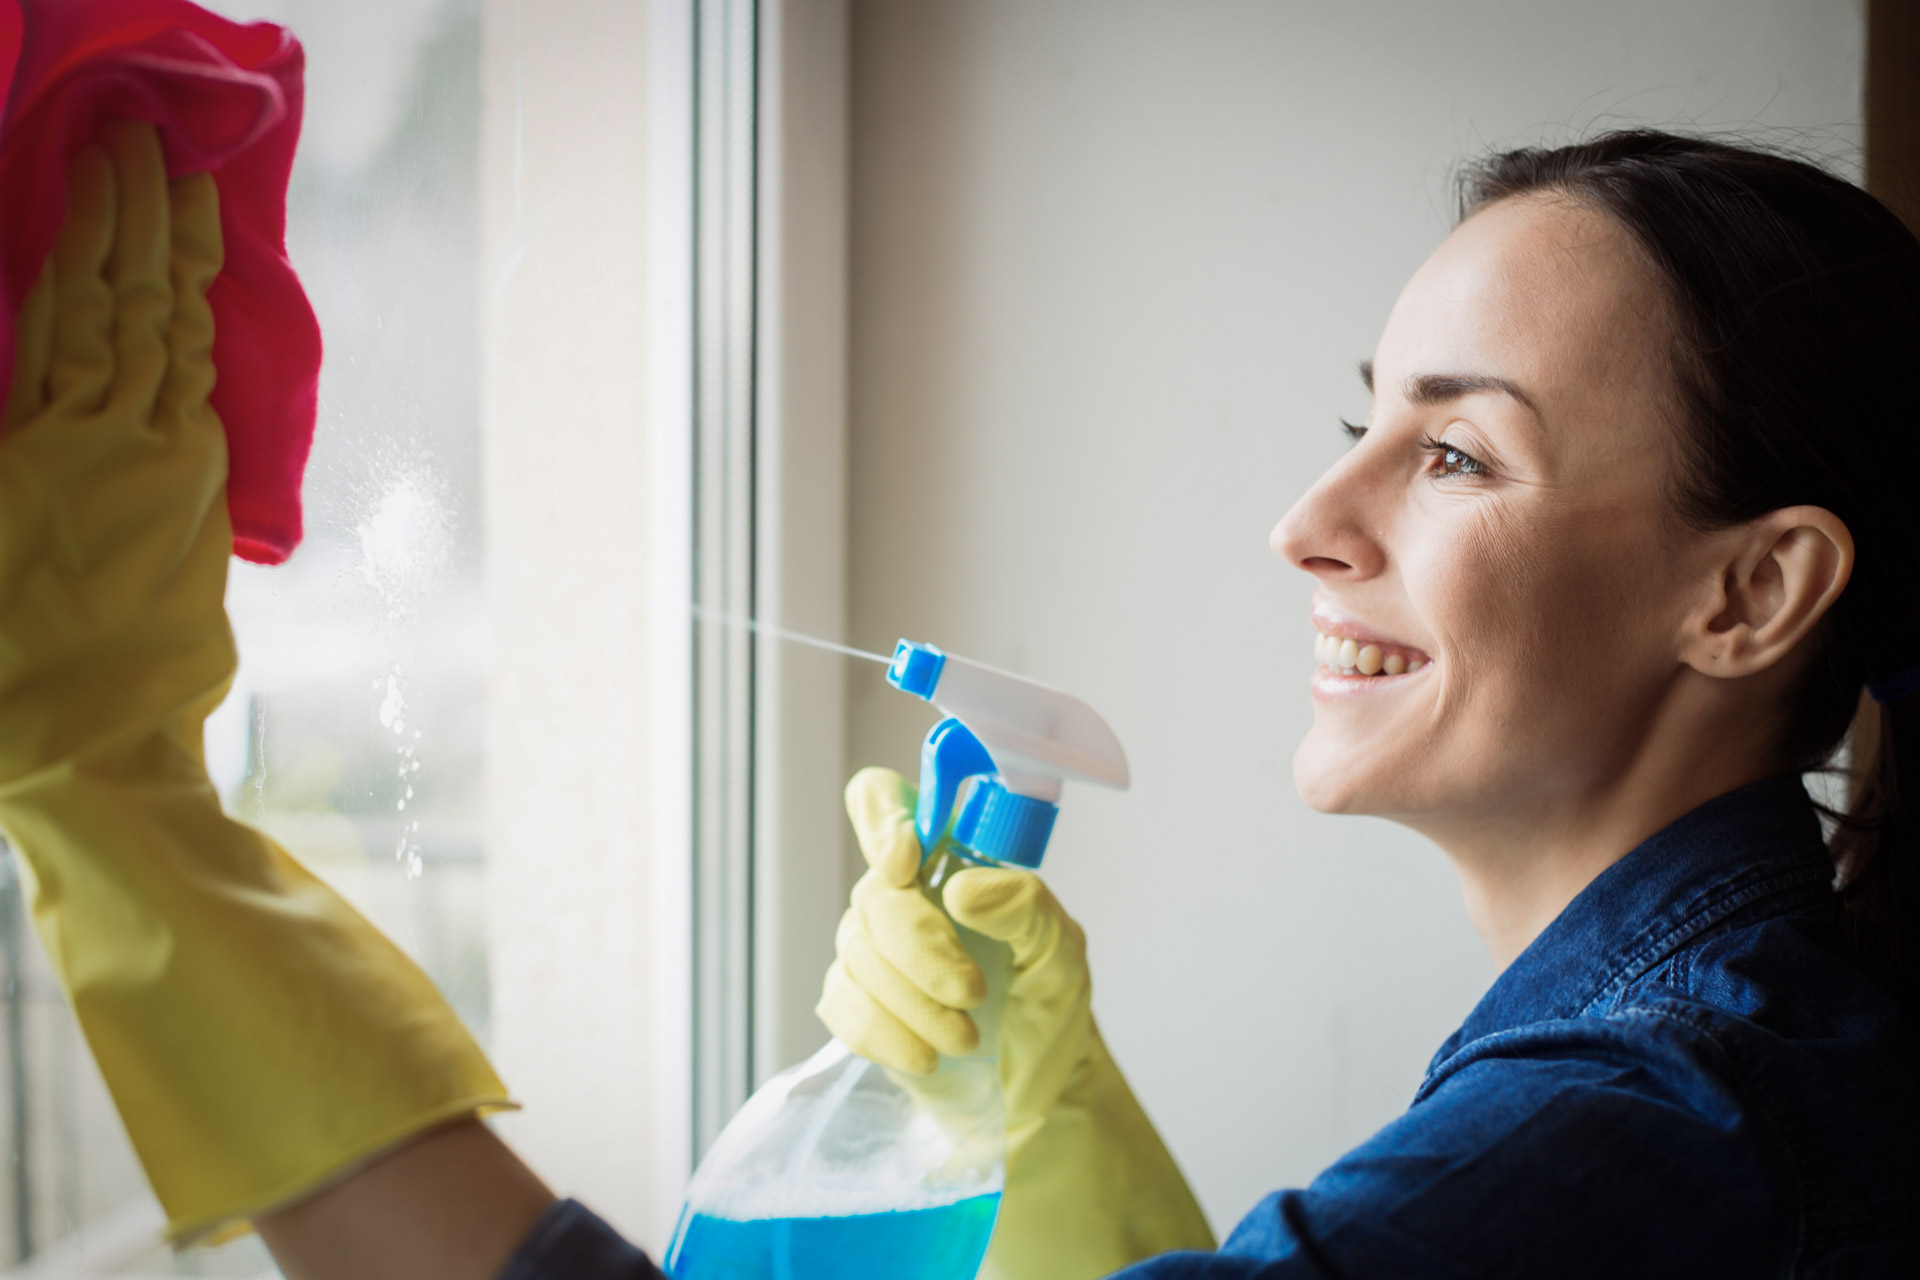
(259, 1036)
(1090, 1186)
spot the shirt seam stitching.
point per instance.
(1696, 918)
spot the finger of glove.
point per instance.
(880, 806)
(916, 938)
(865, 1026)
(196, 258)
(946, 1029)
(1017, 908)
(80, 351)
(140, 270)
(1045, 1029)
(32, 344)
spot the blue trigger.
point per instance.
(950, 755)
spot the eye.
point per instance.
(1354, 430)
(1453, 461)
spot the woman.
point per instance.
(1606, 569)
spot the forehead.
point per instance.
(1542, 291)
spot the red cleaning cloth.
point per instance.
(225, 99)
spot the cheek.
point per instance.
(1505, 596)
(1549, 623)
(1539, 615)
(1470, 576)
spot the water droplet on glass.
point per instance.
(406, 538)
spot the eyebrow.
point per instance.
(1442, 388)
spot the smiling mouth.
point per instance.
(1351, 656)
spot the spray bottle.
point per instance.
(837, 1168)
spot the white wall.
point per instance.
(1112, 264)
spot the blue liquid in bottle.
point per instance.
(946, 1242)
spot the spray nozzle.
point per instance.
(916, 668)
(996, 824)
(1015, 739)
(948, 757)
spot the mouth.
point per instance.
(1351, 652)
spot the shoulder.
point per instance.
(1788, 1024)
(1768, 999)
(1568, 1145)
(1744, 1105)
(1819, 1054)
(1597, 1095)
(1755, 1074)
(1610, 1145)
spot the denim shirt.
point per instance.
(1680, 1076)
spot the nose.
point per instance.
(1327, 531)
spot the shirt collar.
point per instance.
(1760, 842)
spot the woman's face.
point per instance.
(1502, 532)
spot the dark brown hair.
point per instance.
(1796, 297)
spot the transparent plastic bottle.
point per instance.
(840, 1169)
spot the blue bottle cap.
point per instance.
(998, 825)
(916, 669)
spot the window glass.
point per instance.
(354, 732)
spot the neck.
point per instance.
(1520, 867)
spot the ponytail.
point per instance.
(1876, 846)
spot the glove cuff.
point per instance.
(1092, 1189)
(259, 1036)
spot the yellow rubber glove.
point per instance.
(258, 1035)
(1090, 1186)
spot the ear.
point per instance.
(1778, 576)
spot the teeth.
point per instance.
(1368, 660)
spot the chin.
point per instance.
(1327, 780)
